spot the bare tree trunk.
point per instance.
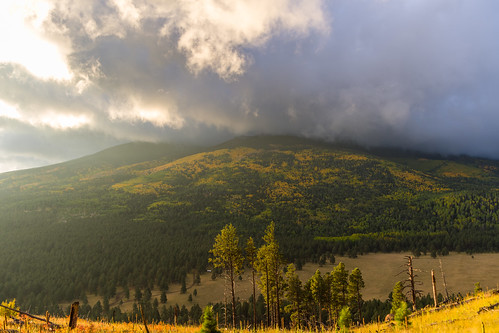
(233, 294)
(254, 299)
(443, 279)
(268, 294)
(434, 285)
(359, 304)
(413, 289)
(278, 313)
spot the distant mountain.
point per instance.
(146, 214)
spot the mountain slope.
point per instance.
(146, 214)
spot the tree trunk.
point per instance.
(268, 294)
(254, 300)
(233, 294)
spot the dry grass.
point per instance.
(464, 317)
(379, 270)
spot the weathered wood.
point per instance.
(488, 308)
(31, 316)
(73, 315)
(434, 285)
(443, 280)
(411, 280)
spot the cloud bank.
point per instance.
(78, 76)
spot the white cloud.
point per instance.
(22, 43)
(8, 111)
(137, 111)
(213, 33)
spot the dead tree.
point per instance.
(434, 287)
(443, 280)
(412, 281)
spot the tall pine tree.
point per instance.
(227, 254)
(355, 284)
(270, 266)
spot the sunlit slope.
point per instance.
(475, 314)
(323, 189)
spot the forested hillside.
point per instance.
(145, 215)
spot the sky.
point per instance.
(77, 77)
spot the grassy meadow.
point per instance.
(380, 272)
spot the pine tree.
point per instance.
(138, 294)
(251, 257)
(397, 296)
(227, 254)
(183, 288)
(345, 318)
(355, 284)
(339, 283)
(293, 294)
(209, 322)
(270, 267)
(319, 292)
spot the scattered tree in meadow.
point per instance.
(227, 254)
(183, 288)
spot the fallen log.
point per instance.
(32, 316)
(487, 308)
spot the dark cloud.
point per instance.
(417, 74)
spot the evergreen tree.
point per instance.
(339, 283)
(293, 294)
(147, 295)
(127, 291)
(251, 257)
(397, 297)
(227, 254)
(138, 294)
(209, 322)
(183, 288)
(355, 284)
(345, 318)
(402, 312)
(270, 267)
(319, 292)
(478, 289)
(163, 297)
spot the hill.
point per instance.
(146, 214)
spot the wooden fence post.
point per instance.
(73, 315)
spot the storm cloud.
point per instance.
(419, 74)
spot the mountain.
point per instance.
(146, 214)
